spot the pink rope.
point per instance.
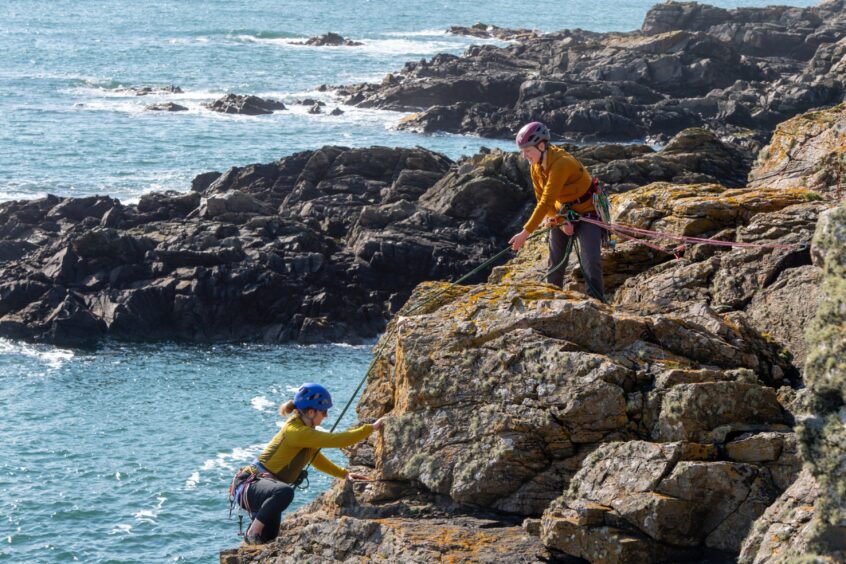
(628, 230)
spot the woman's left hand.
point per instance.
(357, 477)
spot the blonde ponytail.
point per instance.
(287, 408)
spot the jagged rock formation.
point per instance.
(658, 430)
(738, 72)
(809, 520)
(322, 245)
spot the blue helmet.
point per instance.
(312, 396)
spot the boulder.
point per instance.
(331, 40)
(165, 107)
(791, 529)
(247, 105)
(806, 152)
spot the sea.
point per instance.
(124, 453)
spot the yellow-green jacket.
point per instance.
(564, 179)
(296, 443)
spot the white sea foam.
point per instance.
(147, 516)
(192, 481)
(261, 403)
(161, 182)
(53, 357)
(124, 528)
(111, 106)
(423, 42)
(226, 461)
(419, 33)
(6, 195)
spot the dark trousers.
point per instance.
(589, 237)
(267, 499)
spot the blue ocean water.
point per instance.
(124, 454)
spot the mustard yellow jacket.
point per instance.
(564, 179)
(296, 443)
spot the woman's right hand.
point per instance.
(379, 424)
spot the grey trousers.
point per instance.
(590, 246)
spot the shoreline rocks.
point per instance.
(737, 72)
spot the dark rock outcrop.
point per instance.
(166, 107)
(330, 39)
(737, 72)
(493, 32)
(321, 245)
(147, 90)
(247, 105)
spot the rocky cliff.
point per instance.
(528, 423)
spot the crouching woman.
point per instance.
(264, 488)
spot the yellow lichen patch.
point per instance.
(700, 208)
(807, 150)
(453, 543)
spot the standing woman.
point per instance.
(264, 487)
(561, 183)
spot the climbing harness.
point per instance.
(245, 477)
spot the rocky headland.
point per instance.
(692, 419)
(696, 416)
(737, 72)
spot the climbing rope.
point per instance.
(633, 232)
(429, 300)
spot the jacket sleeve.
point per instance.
(328, 467)
(548, 195)
(312, 438)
